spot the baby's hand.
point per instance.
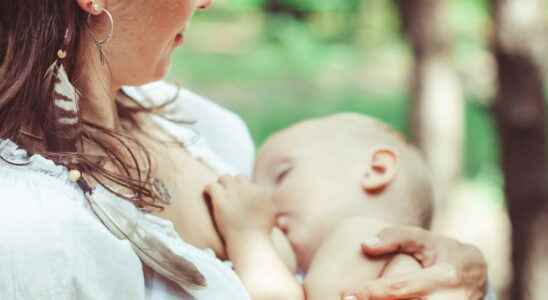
(240, 207)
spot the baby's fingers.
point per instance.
(409, 240)
(416, 285)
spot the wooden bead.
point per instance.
(61, 54)
(74, 175)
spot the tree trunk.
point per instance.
(437, 114)
(280, 7)
(520, 114)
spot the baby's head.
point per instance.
(347, 165)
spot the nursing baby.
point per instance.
(326, 184)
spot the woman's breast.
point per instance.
(186, 178)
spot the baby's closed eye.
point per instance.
(281, 170)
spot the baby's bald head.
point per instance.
(413, 182)
(346, 165)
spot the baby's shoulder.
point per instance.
(338, 264)
(362, 226)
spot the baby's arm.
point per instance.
(261, 270)
(244, 215)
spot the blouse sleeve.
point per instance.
(225, 131)
(52, 247)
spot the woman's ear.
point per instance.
(383, 170)
(93, 7)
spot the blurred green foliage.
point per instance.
(306, 5)
(275, 69)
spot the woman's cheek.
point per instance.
(176, 14)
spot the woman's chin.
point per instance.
(162, 70)
(150, 75)
(154, 70)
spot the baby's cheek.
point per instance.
(284, 202)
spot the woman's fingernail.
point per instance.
(372, 242)
(350, 297)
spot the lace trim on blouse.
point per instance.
(219, 275)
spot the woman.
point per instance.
(85, 204)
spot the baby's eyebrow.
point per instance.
(284, 159)
(281, 162)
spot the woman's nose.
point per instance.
(204, 4)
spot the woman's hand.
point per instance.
(448, 264)
(240, 207)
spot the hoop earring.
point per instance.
(100, 43)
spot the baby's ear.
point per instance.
(383, 170)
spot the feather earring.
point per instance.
(157, 249)
(64, 107)
(63, 112)
(121, 218)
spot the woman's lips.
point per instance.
(179, 39)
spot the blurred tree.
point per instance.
(335, 20)
(437, 114)
(284, 7)
(520, 113)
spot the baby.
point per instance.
(326, 184)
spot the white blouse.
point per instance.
(53, 246)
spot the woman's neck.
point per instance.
(99, 104)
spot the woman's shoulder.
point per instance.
(51, 241)
(26, 179)
(30, 177)
(43, 202)
(36, 194)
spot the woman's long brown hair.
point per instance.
(31, 33)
